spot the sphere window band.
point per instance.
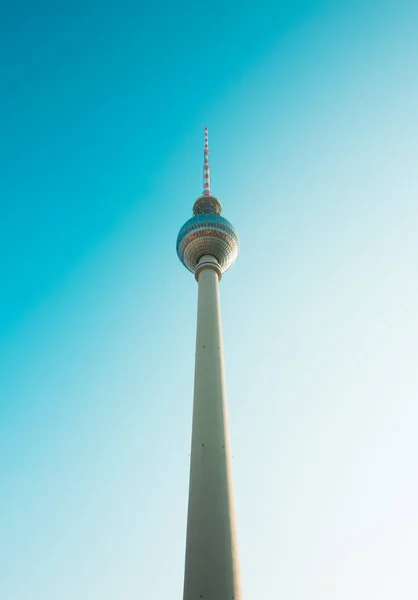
(203, 221)
(203, 225)
(218, 234)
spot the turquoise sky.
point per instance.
(312, 109)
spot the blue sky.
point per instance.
(312, 116)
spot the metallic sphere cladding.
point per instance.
(207, 233)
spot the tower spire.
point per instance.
(206, 167)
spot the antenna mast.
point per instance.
(206, 167)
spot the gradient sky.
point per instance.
(312, 110)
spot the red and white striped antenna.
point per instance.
(206, 167)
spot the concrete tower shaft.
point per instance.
(212, 562)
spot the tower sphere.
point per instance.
(207, 233)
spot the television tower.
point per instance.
(208, 245)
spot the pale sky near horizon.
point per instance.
(312, 109)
